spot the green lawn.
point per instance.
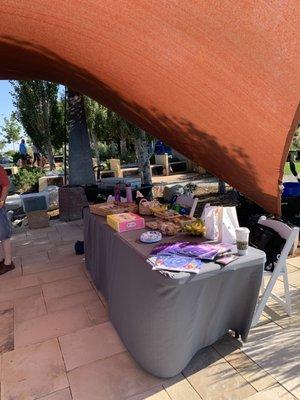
(287, 168)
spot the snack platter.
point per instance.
(168, 215)
(104, 209)
(167, 222)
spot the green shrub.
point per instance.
(27, 179)
(10, 153)
(16, 157)
(107, 151)
(128, 158)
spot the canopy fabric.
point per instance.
(217, 80)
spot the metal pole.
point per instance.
(65, 139)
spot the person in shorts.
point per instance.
(6, 264)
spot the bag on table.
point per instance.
(220, 223)
(228, 223)
(210, 217)
(266, 239)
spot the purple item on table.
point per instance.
(227, 259)
(175, 263)
(168, 248)
(199, 250)
(129, 193)
(204, 251)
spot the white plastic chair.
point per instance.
(290, 235)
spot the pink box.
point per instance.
(125, 222)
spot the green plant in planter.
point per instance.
(27, 179)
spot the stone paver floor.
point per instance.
(57, 343)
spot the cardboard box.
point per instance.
(125, 222)
(38, 219)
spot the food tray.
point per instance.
(166, 216)
(104, 209)
(131, 207)
(184, 219)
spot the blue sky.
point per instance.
(6, 106)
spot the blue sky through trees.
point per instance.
(6, 106)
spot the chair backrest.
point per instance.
(290, 234)
(189, 202)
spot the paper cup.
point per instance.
(242, 240)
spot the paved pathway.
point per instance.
(56, 341)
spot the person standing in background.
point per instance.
(6, 264)
(23, 152)
(36, 155)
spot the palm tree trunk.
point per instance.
(142, 153)
(80, 155)
(123, 146)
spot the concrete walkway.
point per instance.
(56, 341)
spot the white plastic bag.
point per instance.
(210, 217)
(220, 223)
(228, 222)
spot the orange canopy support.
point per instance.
(217, 80)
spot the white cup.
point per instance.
(242, 240)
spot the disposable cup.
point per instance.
(242, 240)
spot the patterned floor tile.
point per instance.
(51, 325)
(279, 355)
(65, 287)
(33, 372)
(6, 330)
(113, 378)
(90, 344)
(214, 378)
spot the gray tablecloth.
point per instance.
(164, 321)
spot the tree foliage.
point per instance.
(105, 125)
(40, 113)
(2, 145)
(11, 129)
(96, 118)
(296, 140)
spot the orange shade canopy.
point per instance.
(217, 80)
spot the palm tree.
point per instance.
(80, 155)
(143, 157)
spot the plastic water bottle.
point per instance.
(128, 193)
(117, 192)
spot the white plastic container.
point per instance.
(242, 240)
